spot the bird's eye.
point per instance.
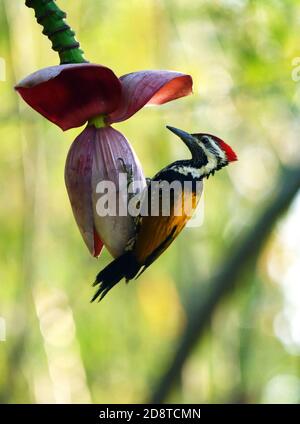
(205, 139)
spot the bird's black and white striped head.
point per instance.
(209, 153)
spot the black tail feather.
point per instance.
(123, 266)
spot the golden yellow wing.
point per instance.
(156, 233)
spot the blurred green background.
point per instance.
(59, 347)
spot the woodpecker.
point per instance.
(154, 232)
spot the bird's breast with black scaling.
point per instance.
(166, 206)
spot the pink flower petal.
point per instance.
(111, 146)
(98, 244)
(152, 87)
(69, 95)
(94, 158)
(78, 175)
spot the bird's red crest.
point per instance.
(230, 154)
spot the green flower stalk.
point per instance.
(52, 19)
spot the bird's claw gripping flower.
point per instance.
(71, 95)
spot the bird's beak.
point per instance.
(187, 138)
